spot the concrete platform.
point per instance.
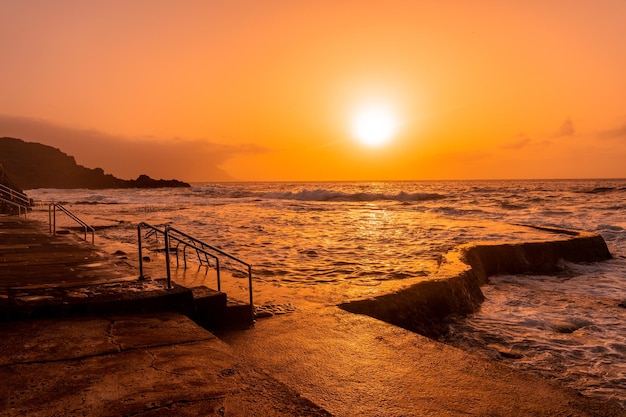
(355, 365)
(317, 361)
(140, 365)
(54, 276)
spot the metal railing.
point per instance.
(166, 238)
(15, 195)
(52, 220)
(13, 203)
(188, 241)
(15, 198)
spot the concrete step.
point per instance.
(212, 309)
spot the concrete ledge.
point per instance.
(127, 297)
(455, 289)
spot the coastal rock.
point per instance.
(6, 207)
(34, 165)
(622, 304)
(144, 181)
(6, 181)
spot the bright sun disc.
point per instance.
(374, 126)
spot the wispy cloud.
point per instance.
(461, 157)
(184, 159)
(566, 129)
(521, 141)
(616, 133)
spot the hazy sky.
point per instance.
(268, 90)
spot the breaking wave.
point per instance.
(329, 195)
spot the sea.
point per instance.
(330, 242)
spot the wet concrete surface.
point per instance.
(355, 365)
(45, 275)
(315, 360)
(134, 365)
(107, 360)
(33, 257)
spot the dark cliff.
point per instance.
(6, 181)
(34, 165)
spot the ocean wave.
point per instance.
(340, 196)
(455, 211)
(602, 190)
(511, 206)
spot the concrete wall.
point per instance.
(426, 306)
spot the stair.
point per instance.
(212, 309)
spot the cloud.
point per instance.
(521, 142)
(464, 157)
(180, 158)
(616, 133)
(566, 129)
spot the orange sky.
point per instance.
(266, 90)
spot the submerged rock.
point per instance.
(568, 326)
(506, 352)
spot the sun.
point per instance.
(374, 125)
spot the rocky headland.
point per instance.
(29, 165)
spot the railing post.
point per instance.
(219, 280)
(139, 250)
(167, 257)
(250, 288)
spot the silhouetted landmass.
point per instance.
(8, 199)
(6, 181)
(34, 165)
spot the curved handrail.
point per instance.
(139, 247)
(221, 252)
(188, 241)
(52, 220)
(167, 237)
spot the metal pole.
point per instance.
(250, 288)
(139, 248)
(217, 268)
(167, 258)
